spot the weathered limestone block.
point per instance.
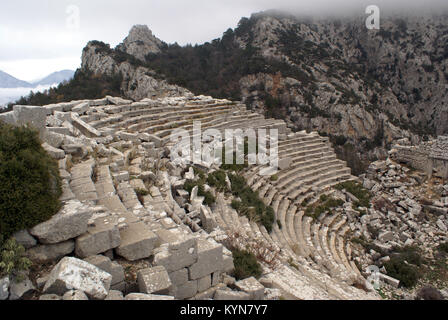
(115, 295)
(205, 283)
(252, 287)
(30, 115)
(179, 277)
(100, 237)
(50, 252)
(111, 267)
(71, 273)
(117, 101)
(25, 239)
(182, 249)
(209, 260)
(53, 152)
(18, 289)
(52, 138)
(207, 219)
(154, 281)
(81, 108)
(85, 128)
(231, 295)
(74, 149)
(4, 288)
(142, 296)
(70, 222)
(186, 290)
(74, 295)
(284, 163)
(137, 242)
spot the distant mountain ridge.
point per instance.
(55, 77)
(8, 81)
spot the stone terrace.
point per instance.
(113, 157)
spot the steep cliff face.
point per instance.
(138, 82)
(352, 81)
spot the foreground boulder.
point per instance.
(68, 223)
(154, 281)
(74, 274)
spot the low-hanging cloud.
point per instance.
(48, 29)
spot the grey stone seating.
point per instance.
(330, 175)
(323, 236)
(309, 177)
(177, 120)
(323, 259)
(301, 146)
(270, 196)
(291, 144)
(128, 196)
(220, 212)
(265, 189)
(281, 216)
(81, 182)
(307, 150)
(306, 224)
(303, 247)
(106, 191)
(289, 222)
(295, 173)
(341, 250)
(294, 287)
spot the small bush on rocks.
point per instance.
(246, 265)
(12, 259)
(30, 185)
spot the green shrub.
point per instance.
(358, 191)
(217, 179)
(246, 265)
(30, 185)
(209, 199)
(406, 273)
(12, 259)
(250, 199)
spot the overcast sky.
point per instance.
(38, 37)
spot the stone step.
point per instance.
(333, 176)
(300, 173)
(81, 182)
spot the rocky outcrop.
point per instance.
(140, 42)
(138, 82)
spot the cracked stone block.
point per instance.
(74, 295)
(179, 277)
(210, 259)
(154, 281)
(74, 274)
(25, 239)
(70, 222)
(4, 288)
(50, 252)
(18, 289)
(100, 237)
(111, 267)
(252, 287)
(137, 242)
(182, 249)
(204, 283)
(230, 295)
(187, 290)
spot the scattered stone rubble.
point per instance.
(128, 230)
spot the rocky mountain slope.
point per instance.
(363, 88)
